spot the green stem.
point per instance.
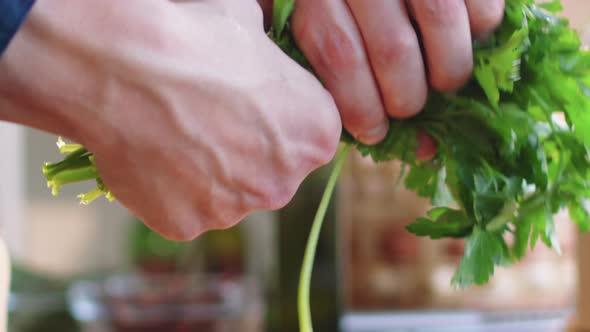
(74, 175)
(79, 153)
(50, 171)
(305, 322)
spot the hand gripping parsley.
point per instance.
(505, 164)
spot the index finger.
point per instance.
(327, 34)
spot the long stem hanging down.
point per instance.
(305, 322)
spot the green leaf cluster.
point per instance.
(505, 159)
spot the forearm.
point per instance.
(62, 69)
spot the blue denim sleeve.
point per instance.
(12, 15)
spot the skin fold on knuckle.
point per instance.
(402, 98)
(336, 51)
(268, 187)
(394, 47)
(320, 152)
(172, 229)
(277, 195)
(329, 130)
(275, 187)
(437, 12)
(183, 219)
(326, 41)
(280, 199)
(220, 214)
(444, 25)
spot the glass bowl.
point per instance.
(170, 303)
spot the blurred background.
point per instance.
(96, 268)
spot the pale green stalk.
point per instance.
(305, 322)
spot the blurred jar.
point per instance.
(174, 303)
(385, 267)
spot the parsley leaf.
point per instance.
(444, 222)
(483, 250)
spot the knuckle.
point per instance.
(324, 150)
(280, 201)
(328, 136)
(221, 213)
(278, 196)
(439, 11)
(181, 236)
(174, 229)
(271, 191)
(223, 216)
(328, 145)
(322, 126)
(337, 50)
(388, 50)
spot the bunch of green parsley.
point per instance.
(505, 163)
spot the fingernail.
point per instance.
(375, 135)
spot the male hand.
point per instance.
(195, 117)
(369, 56)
